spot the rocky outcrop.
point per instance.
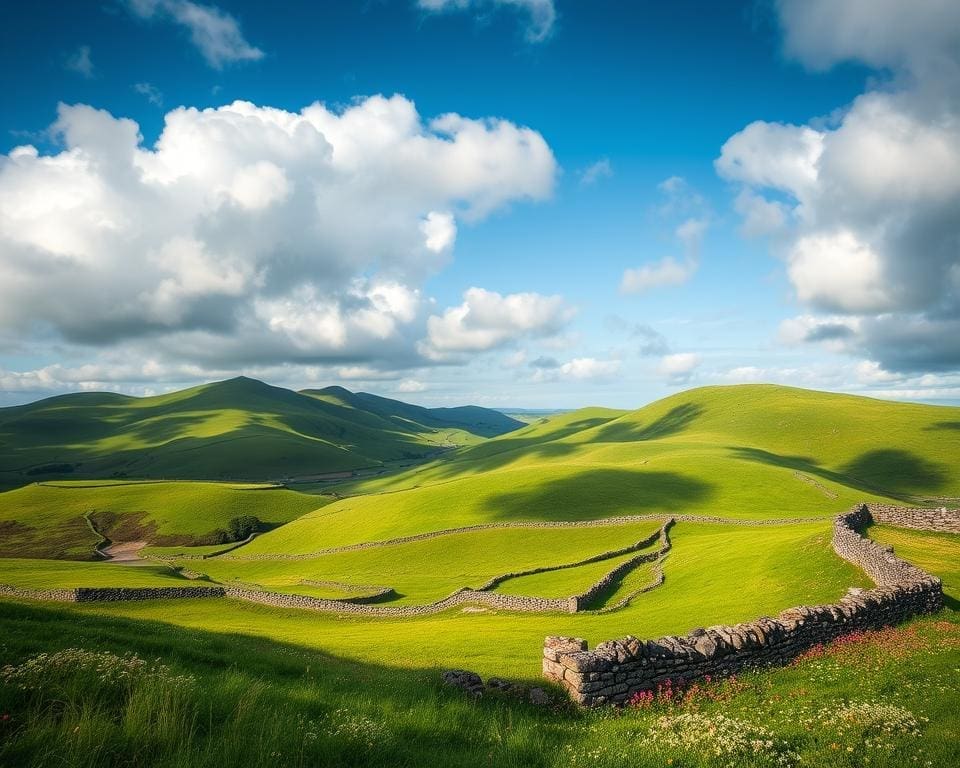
(615, 670)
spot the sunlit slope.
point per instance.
(745, 451)
(429, 569)
(239, 428)
(715, 574)
(49, 520)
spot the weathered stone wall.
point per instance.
(461, 597)
(662, 536)
(496, 581)
(617, 669)
(941, 519)
(119, 594)
(111, 594)
(57, 595)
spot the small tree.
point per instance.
(241, 527)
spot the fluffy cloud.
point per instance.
(583, 368)
(760, 216)
(214, 32)
(678, 367)
(867, 200)
(542, 13)
(255, 235)
(487, 319)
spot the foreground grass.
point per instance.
(200, 698)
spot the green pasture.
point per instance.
(937, 553)
(746, 451)
(564, 582)
(715, 574)
(429, 569)
(64, 574)
(47, 519)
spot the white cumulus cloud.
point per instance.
(865, 201)
(249, 233)
(678, 367)
(487, 319)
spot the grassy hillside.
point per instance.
(213, 699)
(366, 687)
(239, 428)
(746, 451)
(50, 520)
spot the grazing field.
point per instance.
(50, 519)
(753, 475)
(427, 570)
(714, 574)
(207, 698)
(748, 451)
(57, 574)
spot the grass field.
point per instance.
(236, 699)
(427, 570)
(367, 688)
(747, 451)
(48, 520)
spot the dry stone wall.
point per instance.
(615, 670)
(461, 597)
(111, 594)
(941, 519)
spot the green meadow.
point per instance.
(53, 519)
(312, 688)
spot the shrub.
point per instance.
(241, 527)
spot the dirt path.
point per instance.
(126, 553)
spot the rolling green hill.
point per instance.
(753, 453)
(750, 451)
(236, 429)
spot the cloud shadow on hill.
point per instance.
(674, 421)
(955, 425)
(490, 456)
(603, 492)
(889, 472)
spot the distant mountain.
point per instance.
(236, 429)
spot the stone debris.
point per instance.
(465, 680)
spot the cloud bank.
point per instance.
(249, 235)
(865, 203)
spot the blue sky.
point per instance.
(632, 198)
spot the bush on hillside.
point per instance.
(241, 527)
